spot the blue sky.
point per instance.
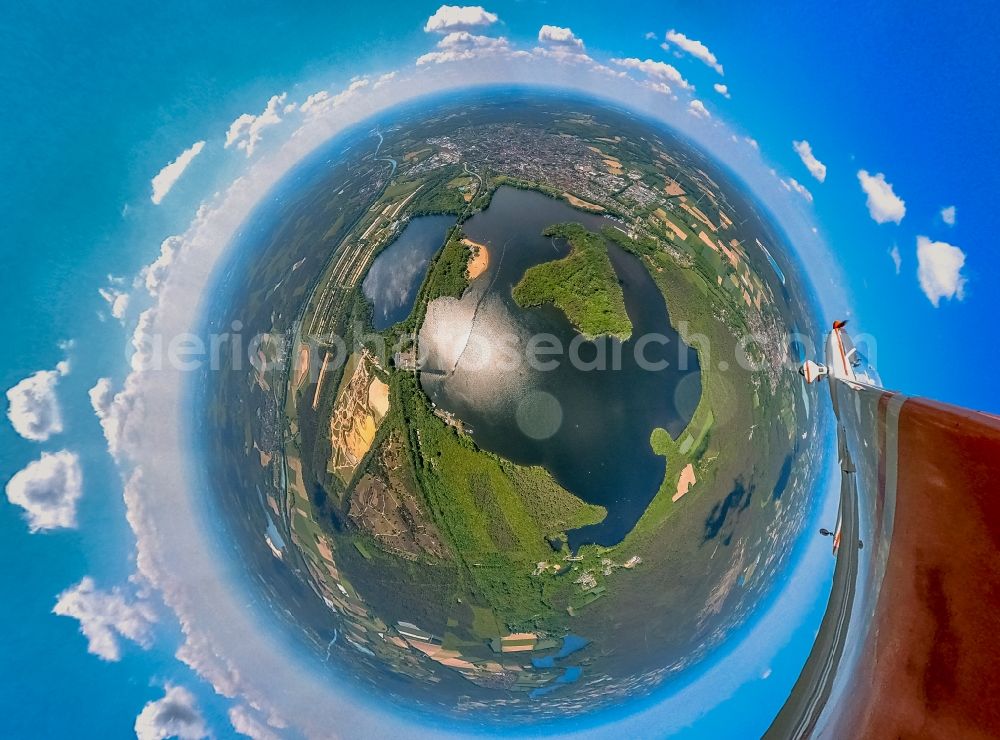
(103, 97)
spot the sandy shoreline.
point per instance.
(479, 260)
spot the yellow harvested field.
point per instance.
(697, 213)
(685, 482)
(733, 258)
(673, 188)
(614, 166)
(708, 240)
(673, 227)
(303, 365)
(323, 547)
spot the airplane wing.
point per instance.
(910, 641)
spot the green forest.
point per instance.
(583, 285)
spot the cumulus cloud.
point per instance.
(33, 406)
(462, 45)
(116, 298)
(752, 142)
(559, 36)
(948, 215)
(939, 270)
(115, 410)
(794, 186)
(656, 70)
(883, 204)
(106, 616)
(153, 274)
(816, 168)
(695, 48)
(247, 130)
(697, 109)
(723, 90)
(660, 87)
(384, 79)
(246, 722)
(175, 715)
(459, 17)
(48, 489)
(897, 259)
(169, 175)
(323, 102)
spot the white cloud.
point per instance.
(816, 168)
(752, 142)
(948, 215)
(695, 48)
(106, 616)
(323, 102)
(116, 298)
(567, 53)
(462, 45)
(656, 70)
(897, 259)
(883, 204)
(247, 130)
(384, 79)
(793, 185)
(660, 87)
(697, 109)
(723, 90)
(101, 397)
(175, 715)
(939, 270)
(153, 275)
(170, 174)
(48, 489)
(115, 411)
(246, 722)
(650, 36)
(559, 36)
(459, 17)
(33, 407)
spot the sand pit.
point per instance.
(685, 482)
(378, 397)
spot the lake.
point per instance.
(588, 426)
(396, 274)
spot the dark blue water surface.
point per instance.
(589, 428)
(395, 275)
